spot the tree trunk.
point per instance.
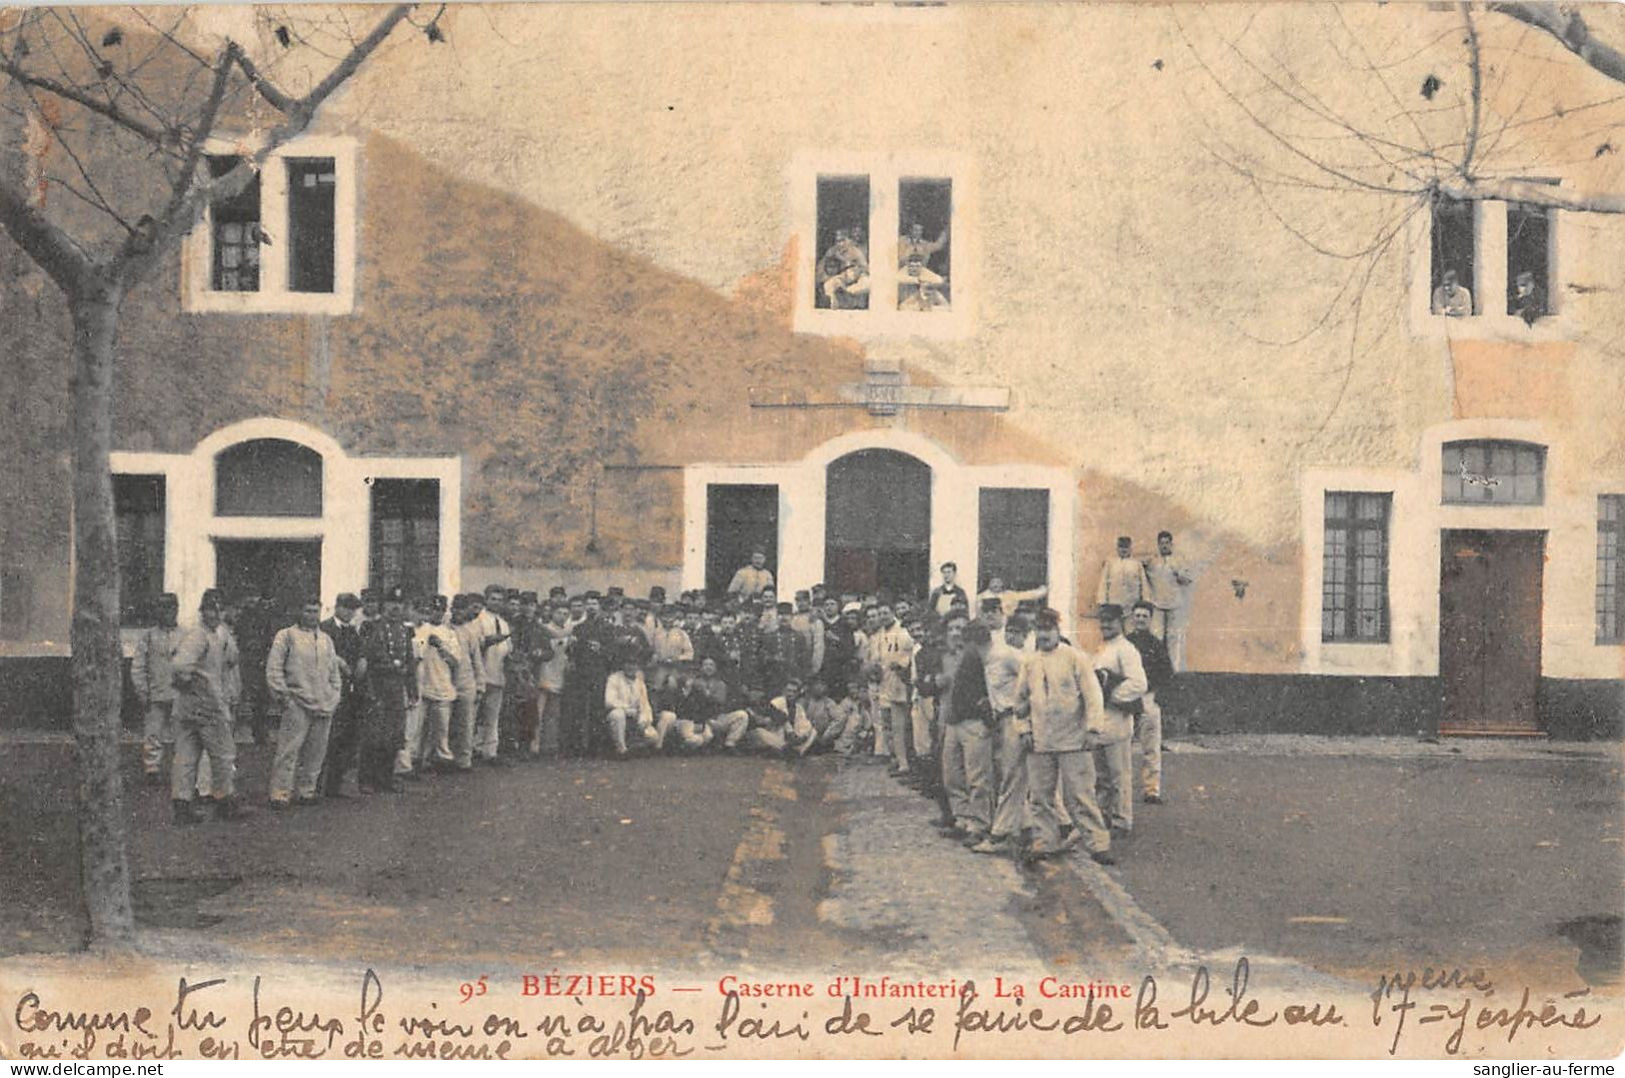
(98, 676)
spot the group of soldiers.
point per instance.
(1020, 736)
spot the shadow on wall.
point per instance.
(1243, 612)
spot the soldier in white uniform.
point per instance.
(1122, 675)
(153, 677)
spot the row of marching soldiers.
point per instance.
(1034, 736)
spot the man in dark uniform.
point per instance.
(591, 653)
(389, 667)
(256, 626)
(345, 629)
(779, 652)
(523, 663)
(1159, 675)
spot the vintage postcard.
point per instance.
(829, 530)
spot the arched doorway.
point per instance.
(877, 523)
(270, 478)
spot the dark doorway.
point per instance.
(1489, 631)
(877, 523)
(739, 518)
(289, 570)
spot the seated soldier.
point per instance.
(780, 725)
(628, 713)
(827, 716)
(689, 712)
(859, 736)
(711, 700)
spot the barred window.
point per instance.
(405, 547)
(236, 254)
(1354, 571)
(1492, 472)
(1610, 523)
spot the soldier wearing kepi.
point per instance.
(152, 674)
(205, 658)
(302, 673)
(1003, 667)
(389, 668)
(345, 629)
(1122, 677)
(1068, 716)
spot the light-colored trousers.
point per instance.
(1010, 811)
(967, 772)
(731, 728)
(546, 738)
(924, 717)
(1115, 782)
(194, 739)
(897, 718)
(1168, 625)
(623, 724)
(1148, 732)
(462, 729)
(409, 739)
(301, 746)
(434, 733)
(687, 735)
(156, 732)
(1072, 774)
(798, 736)
(485, 730)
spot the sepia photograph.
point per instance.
(841, 529)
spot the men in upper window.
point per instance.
(1526, 302)
(751, 579)
(918, 285)
(1450, 298)
(848, 290)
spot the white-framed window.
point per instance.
(885, 244)
(1354, 567)
(1491, 269)
(286, 242)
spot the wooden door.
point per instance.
(1489, 632)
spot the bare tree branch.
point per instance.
(142, 250)
(85, 100)
(1479, 189)
(1569, 28)
(1477, 98)
(45, 242)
